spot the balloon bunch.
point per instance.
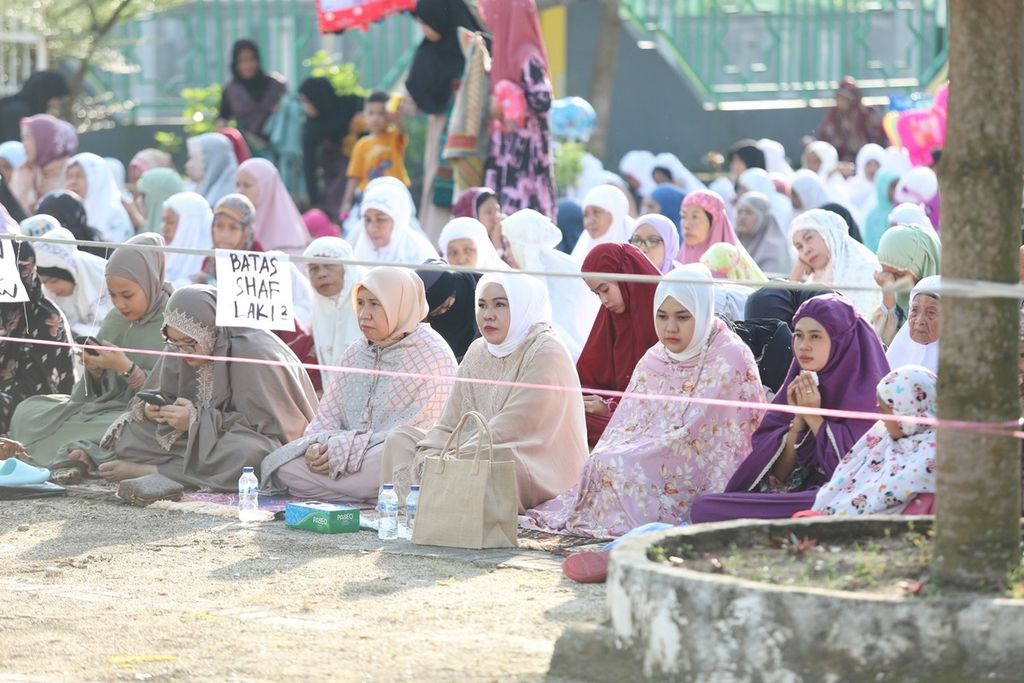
(919, 130)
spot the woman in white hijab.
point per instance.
(543, 431)
(828, 255)
(335, 325)
(917, 342)
(636, 167)
(387, 234)
(910, 214)
(681, 176)
(605, 219)
(76, 280)
(727, 191)
(757, 180)
(822, 158)
(809, 191)
(861, 187)
(464, 242)
(89, 176)
(775, 157)
(534, 240)
(186, 224)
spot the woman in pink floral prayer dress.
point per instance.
(656, 455)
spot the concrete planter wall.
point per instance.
(671, 624)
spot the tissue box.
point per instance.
(323, 518)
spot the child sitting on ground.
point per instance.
(378, 154)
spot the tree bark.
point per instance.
(602, 88)
(978, 490)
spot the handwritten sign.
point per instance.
(254, 290)
(12, 290)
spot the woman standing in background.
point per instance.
(519, 164)
(433, 78)
(251, 96)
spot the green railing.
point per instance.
(190, 46)
(776, 50)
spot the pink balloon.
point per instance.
(920, 132)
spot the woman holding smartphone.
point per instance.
(56, 428)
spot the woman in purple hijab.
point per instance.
(838, 363)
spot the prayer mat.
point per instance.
(556, 544)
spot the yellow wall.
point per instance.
(553, 23)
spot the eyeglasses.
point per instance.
(181, 347)
(649, 242)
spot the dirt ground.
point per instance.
(93, 591)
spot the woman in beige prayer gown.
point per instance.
(226, 416)
(542, 430)
(339, 456)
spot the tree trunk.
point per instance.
(978, 490)
(602, 88)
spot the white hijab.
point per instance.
(904, 350)
(471, 229)
(919, 186)
(639, 163)
(195, 223)
(862, 190)
(335, 324)
(614, 201)
(534, 238)
(811, 190)
(829, 171)
(102, 199)
(692, 286)
(89, 304)
(406, 245)
(725, 189)
(681, 176)
(911, 214)
(528, 304)
(757, 180)
(775, 156)
(850, 262)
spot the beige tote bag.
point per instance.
(468, 502)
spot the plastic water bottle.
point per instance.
(387, 506)
(248, 496)
(411, 502)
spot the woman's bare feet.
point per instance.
(82, 456)
(119, 470)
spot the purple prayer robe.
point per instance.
(848, 381)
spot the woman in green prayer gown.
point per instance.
(58, 426)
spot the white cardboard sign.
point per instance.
(12, 289)
(254, 290)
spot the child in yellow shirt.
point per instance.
(381, 153)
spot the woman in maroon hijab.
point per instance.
(838, 363)
(623, 332)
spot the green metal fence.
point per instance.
(776, 50)
(190, 46)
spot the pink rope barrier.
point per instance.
(1006, 429)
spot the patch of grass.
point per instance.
(894, 563)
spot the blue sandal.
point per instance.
(14, 472)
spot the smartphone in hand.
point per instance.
(157, 398)
(92, 341)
